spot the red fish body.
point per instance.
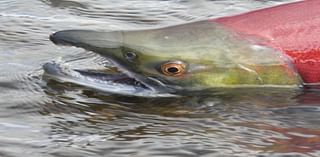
(293, 28)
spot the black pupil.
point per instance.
(173, 70)
(130, 55)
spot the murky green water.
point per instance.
(39, 118)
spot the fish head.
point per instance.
(191, 56)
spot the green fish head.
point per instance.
(191, 56)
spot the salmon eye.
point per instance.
(173, 68)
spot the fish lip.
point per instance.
(57, 69)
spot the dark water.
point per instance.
(39, 118)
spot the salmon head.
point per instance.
(188, 57)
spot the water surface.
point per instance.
(50, 119)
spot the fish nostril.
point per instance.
(130, 56)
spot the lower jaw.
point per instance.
(109, 82)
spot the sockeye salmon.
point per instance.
(271, 47)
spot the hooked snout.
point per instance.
(88, 39)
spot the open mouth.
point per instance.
(106, 81)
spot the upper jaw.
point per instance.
(87, 39)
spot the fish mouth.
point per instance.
(106, 81)
(121, 81)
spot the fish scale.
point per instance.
(293, 28)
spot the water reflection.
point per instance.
(226, 121)
(292, 139)
(64, 4)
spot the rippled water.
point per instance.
(54, 119)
